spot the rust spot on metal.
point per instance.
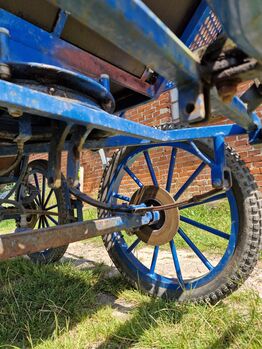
(93, 66)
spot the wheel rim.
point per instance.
(46, 199)
(125, 251)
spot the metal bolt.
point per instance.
(217, 183)
(15, 113)
(52, 90)
(23, 221)
(105, 81)
(5, 72)
(4, 31)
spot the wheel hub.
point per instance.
(164, 230)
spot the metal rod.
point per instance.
(12, 245)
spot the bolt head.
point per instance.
(15, 113)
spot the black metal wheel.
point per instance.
(46, 199)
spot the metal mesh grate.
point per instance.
(207, 33)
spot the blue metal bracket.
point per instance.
(60, 23)
(220, 175)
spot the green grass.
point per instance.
(216, 216)
(7, 226)
(57, 306)
(90, 213)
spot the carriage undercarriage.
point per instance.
(56, 97)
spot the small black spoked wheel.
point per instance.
(52, 201)
(200, 252)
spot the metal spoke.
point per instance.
(205, 227)
(48, 197)
(134, 244)
(121, 197)
(36, 181)
(43, 222)
(154, 259)
(189, 180)
(211, 199)
(52, 219)
(176, 263)
(39, 222)
(51, 207)
(46, 222)
(195, 249)
(39, 202)
(43, 190)
(171, 169)
(133, 176)
(150, 168)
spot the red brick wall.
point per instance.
(156, 113)
(152, 114)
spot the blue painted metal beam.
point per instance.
(38, 103)
(134, 28)
(28, 43)
(124, 141)
(48, 106)
(194, 25)
(151, 42)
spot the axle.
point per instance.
(30, 241)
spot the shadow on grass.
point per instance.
(145, 318)
(35, 299)
(228, 338)
(38, 301)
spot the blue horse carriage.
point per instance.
(69, 70)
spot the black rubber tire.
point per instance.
(246, 253)
(52, 254)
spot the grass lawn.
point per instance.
(59, 306)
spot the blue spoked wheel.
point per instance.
(47, 199)
(201, 252)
